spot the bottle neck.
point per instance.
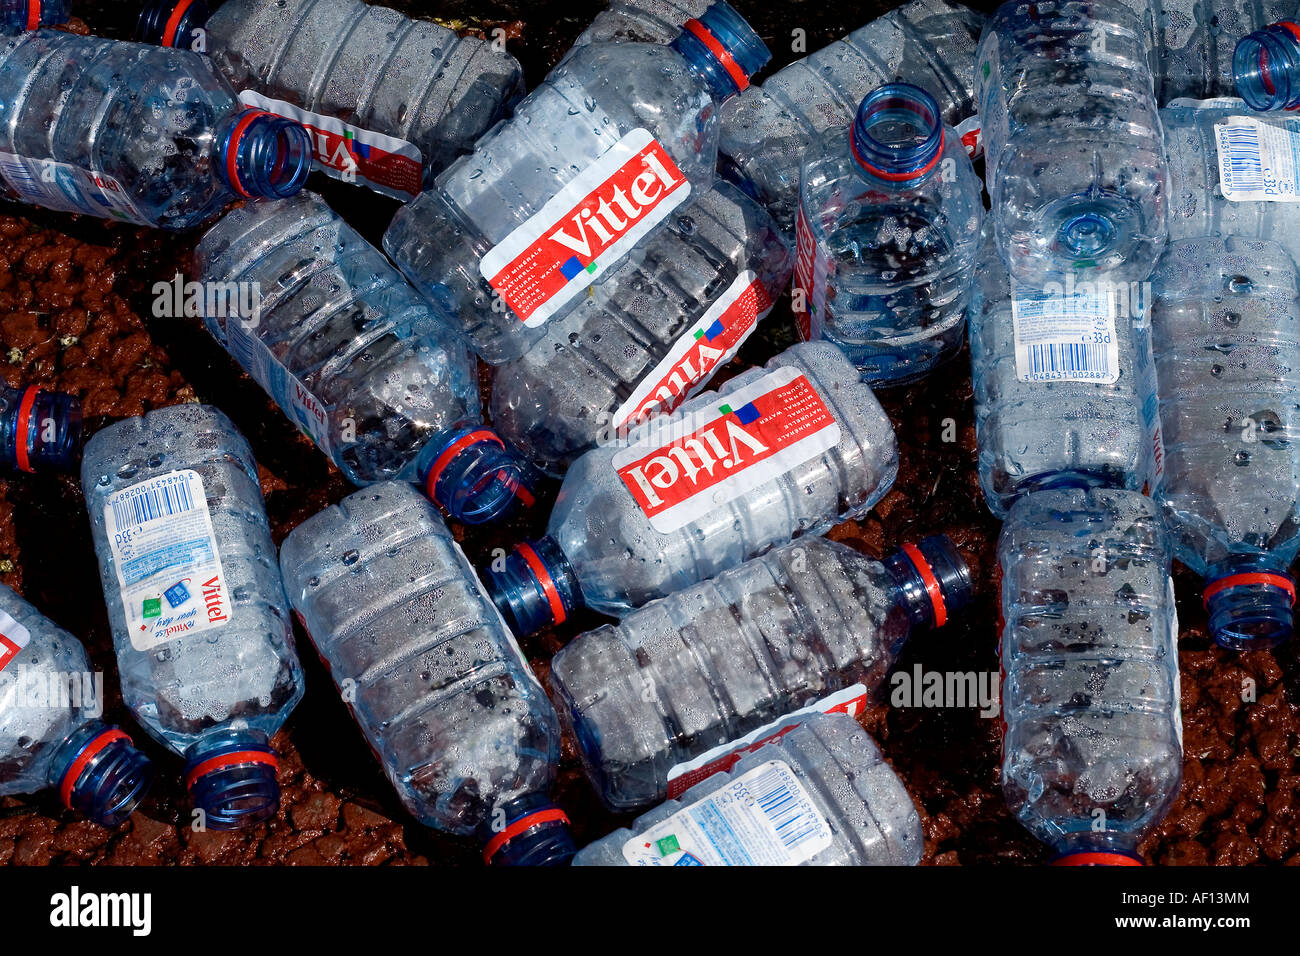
(39, 430)
(1250, 602)
(528, 831)
(472, 476)
(172, 23)
(722, 50)
(897, 135)
(262, 156)
(932, 580)
(32, 14)
(231, 776)
(99, 773)
(535, 587)
(1097, 849)
(1266, 67)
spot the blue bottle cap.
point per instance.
(897, 134)
(724, 47)
(231, 777)
(106, 777)
(171, 22)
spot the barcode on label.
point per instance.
(783, 809)
(1245, 170)
(148, 504)
(21, 178)
(1069, 358)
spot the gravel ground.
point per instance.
(74, 316)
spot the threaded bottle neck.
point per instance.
(933, 580)
(172, 23)
(897, 135)
(1250, 602)
(1266, 67)
(535, 587)
(100, 774)
(39, 430)
(723, 49)
(472, 476)
(528, 831)
(231, 776)
(262, 156)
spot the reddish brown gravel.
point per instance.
(75, 315)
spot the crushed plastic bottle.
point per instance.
(1225, 332)
(1074, 158)
(431, 673)
(1092, 749)
(650, 336)
(353, 355)
(1059, 375)
(592, 162)
(822, 795)
(889, 225)
(718, 660)
(76, 136)
(39, 430)
(786, 450)
(32, 14)
(389, 101)
(195, 601)
(51, 736)
(767, 130)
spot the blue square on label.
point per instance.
(571, 268)
(688, 860)
(747, 414)
(714, 330)
(177, 594)
(361, 149)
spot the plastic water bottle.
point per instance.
(353, 354)
(51, 736)
(767, 130)
(1225, 331)
(723, 658)
(1074, 160)
(889, 225)
(1092, 747)
(1059, 374)
(1266, 66)
(822, 795)
(135, 133)
(786, 450)
(1201, 139)
(200, 624)
(389, 101)
(600, 155)
(39, 430)
(651, 336)
(434, 678)
(32, 14)
(639, 21)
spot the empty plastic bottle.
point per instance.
(32, 14)
(650, 336)
(778, 452)
(1266, 66)
(39, 430)
(51, 736)
(200, 624)
(889, 225)
(433, 677)
(1199, 137)
(135, 133)
(767, 130)
(591, 163)
(1074, 160)
(1225, 330)
(822, 795)
(389, 101)
(353, 355)
(1092, 748)
(718, 660)
(1059, 374)
(639, 21)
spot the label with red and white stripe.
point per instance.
(810, 271)
(706, 346)
(385, 163)
(850, 700)
(681, 468)
(589, 225)
(13, 638)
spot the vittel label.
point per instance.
(13, 638)
(762, 818)
(309, 413)
(585, 228)
(1070, 337)
(67, 188)
(705, 347)
(810, 281)
(1258, 161)
(166, 559)
(386, 164)
(680, 469)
